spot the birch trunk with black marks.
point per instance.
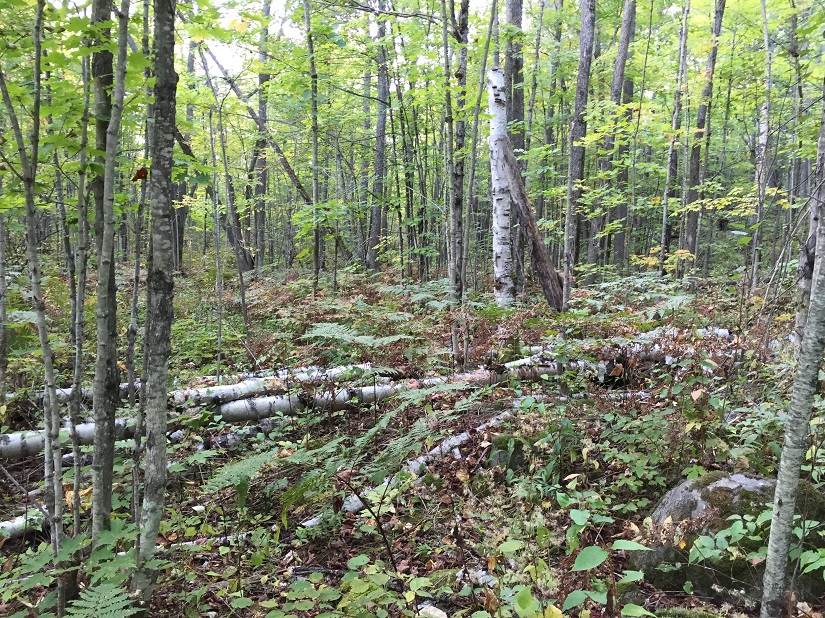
(160, 291)
(578, 129)
(503, 266)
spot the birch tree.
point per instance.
(503, 281)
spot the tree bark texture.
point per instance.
(578, 129)
(377, 207)
(503, 267)
(616, 86)
(797, 426)
(160, 287)
(675, 124)
(109, 110)
(702, 135)
(808, 250)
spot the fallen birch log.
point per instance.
(234, 386)
(18, 526)
(23, 444)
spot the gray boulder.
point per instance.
(704, 507)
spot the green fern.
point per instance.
(338, 333)
(233, 474)
(102, 601)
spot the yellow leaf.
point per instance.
(492, 561)
(682, 543)
(462, 475)
(697, 393)
(552, 612)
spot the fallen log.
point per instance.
(18, 526)
(15, 446)
(247, 384)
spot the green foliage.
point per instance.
(102, 601)
(331, 332)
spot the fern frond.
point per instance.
(231, 475)
(102, 601)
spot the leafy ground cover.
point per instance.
(537, 516)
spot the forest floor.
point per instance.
(535, 514)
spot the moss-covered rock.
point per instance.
(703, 508)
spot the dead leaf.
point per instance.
(491, 603)
(462, 475)
(618, 371)
(697, 393)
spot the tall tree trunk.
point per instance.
(514, 88)
(808, 250)
(702, 134)
(578, 129)
(81, 270)
(313, 76)
(616, 85)
(621, 216)
(459, 126)
(503, 267)
(762, 163)
(262, 163)
(107, 380)
(799, 413)
(160, 292)
(474, 144)
(4, 358)
(676, 123)
(377, 208)
(28, 160)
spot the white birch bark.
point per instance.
(503, 265)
